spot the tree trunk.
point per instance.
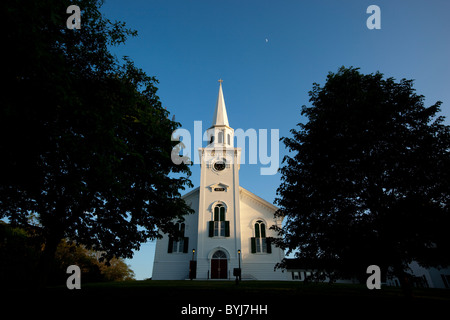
(405, 282)
(46, 261)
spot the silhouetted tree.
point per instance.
(85, 140)
(20, 250)
(367, 179)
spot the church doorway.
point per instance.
(219, 265)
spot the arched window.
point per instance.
(229, 139)
(212, 139)
(219, 227)
(219, 254)
(260, 235)
(220, 137)
(219, 212)
(260, 244)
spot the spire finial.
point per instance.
(220, 114)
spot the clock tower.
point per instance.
(230, 226)
(219, 234)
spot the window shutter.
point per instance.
(269, 246)
(186, 245)
(211, 229)
(227, 228)
(253, 242)
(169, 249)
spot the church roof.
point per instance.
(220, 114)
(244, 192)
(260, 200)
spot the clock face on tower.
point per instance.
(219, 165)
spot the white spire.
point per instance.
(220, 114)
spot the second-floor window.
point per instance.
(259, 243)
(219, 227)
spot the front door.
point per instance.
(219, 266)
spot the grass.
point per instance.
(287, 288)
(282, 298)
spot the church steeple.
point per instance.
(220, 114)
(220, 134)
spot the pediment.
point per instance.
(218, 187)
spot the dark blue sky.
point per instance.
(269, 53)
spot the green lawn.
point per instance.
(281, 298)
(261, 288)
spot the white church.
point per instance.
(230, 226)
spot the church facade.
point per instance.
(230, 226)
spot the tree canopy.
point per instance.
(20, 250)
(85, 139)
(367, 179)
